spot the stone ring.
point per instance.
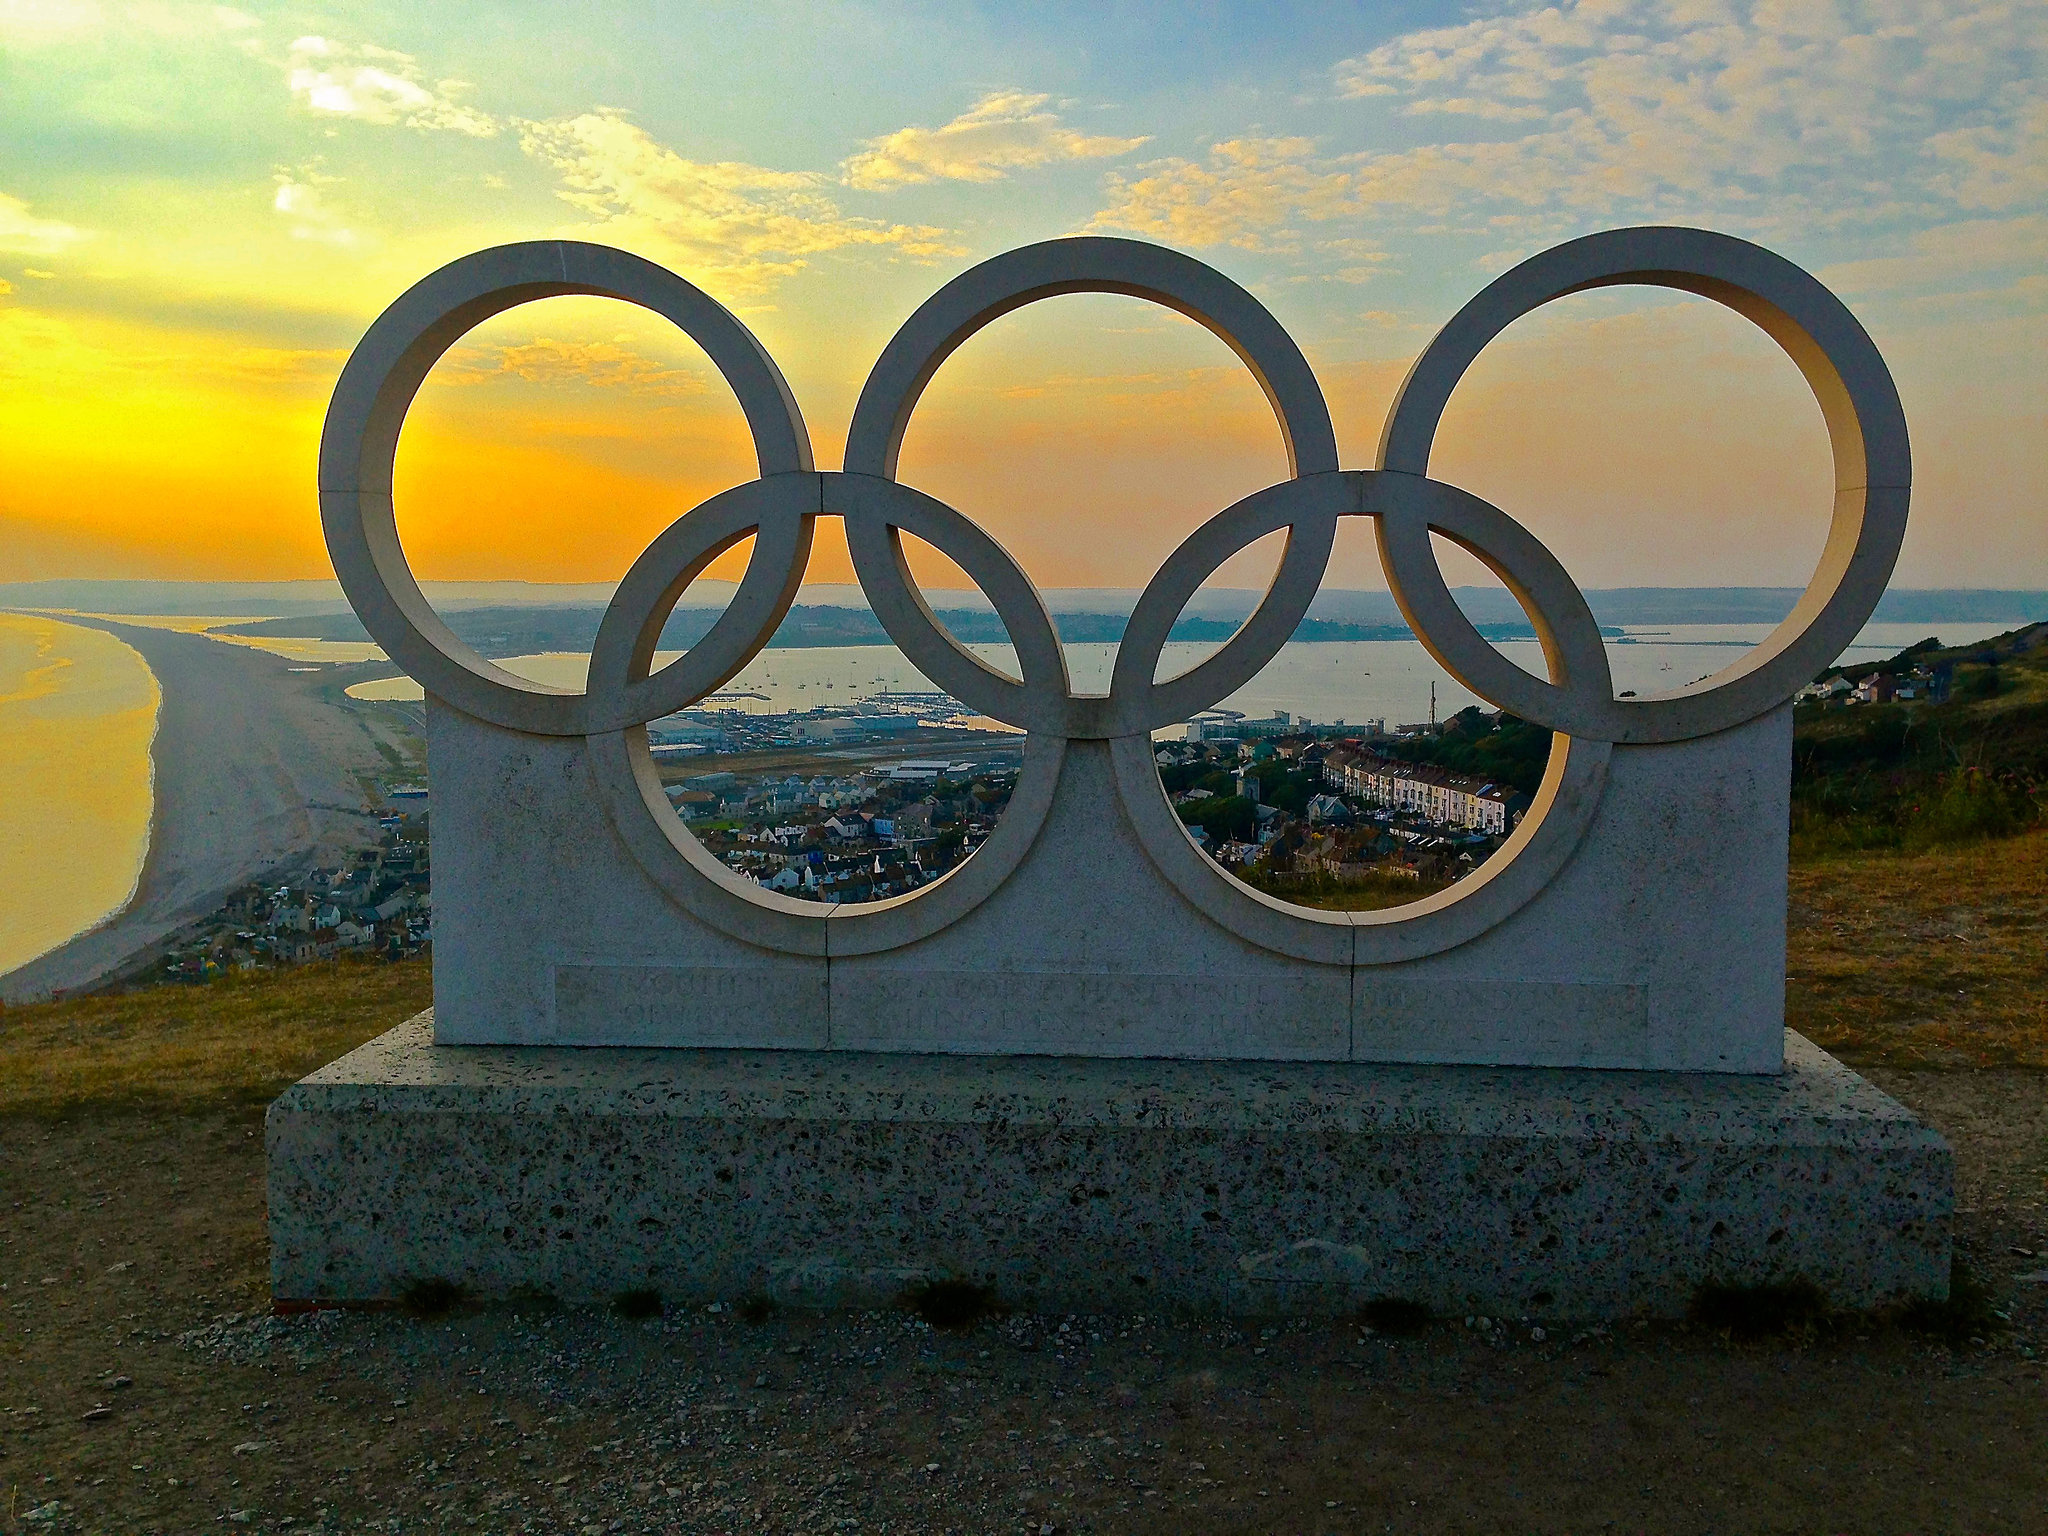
(779, 511)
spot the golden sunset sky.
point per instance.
(202, 208)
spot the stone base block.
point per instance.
(1095, 1185)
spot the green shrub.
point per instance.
(1969, 807)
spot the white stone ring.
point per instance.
(877, 511)
(359, 447)
(778, 510)
(1866, 428)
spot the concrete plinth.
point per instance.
(1095, 1185)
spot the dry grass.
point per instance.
(1935, 959)
(1925, 960)
(240, 1039)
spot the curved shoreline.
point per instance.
(80, 710)
(250, 772)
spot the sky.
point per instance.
(203, 207)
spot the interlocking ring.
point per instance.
(778, 510)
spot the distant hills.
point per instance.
(525, 631)
(513, 618)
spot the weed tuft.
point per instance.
(1396, 1315)
(1759, 1311)
(433, 1296)
(952, 1303)
(1966, 1313)
(638, 1305)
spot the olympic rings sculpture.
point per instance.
(1865, 422)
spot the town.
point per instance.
(1357, 821)
(883, 796)
(378, 902)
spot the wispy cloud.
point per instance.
(299, 198)
(1966, 252)
(607, 364)
(378, 85)
(1248, 193)
(29, 22)
(1997, 165)
(23, 234)
(738, 227)
(1003, 132)
(1814, 107)
(1757, 115)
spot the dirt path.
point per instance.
(126, 1239)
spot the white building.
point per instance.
(1420, 789)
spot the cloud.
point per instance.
(46, 23)
(1247, 193)
(1003, 132)
(378, 85)
(25, 23)
(1996, 165)
(1833, 110)
(23, 234)
(607, 364)
(1948, 253)
(1472, 106)
(1360, 261)
(1769, 117)
(299, 198)
(741, 228)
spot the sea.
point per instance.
(78, 713)
(1329, 682)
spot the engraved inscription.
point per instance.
(1299, 1017)
(777, 1008)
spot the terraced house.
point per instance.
(1421, 789)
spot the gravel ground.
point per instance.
(145, 1387)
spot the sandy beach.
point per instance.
(253, 771)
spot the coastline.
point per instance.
(250, 770)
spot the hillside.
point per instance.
(1921, 773)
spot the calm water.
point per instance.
(77, 714)
(1349, 681)
(78, 710)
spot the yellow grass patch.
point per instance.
(1935, 959)
(1931, 959)
(241, 1038)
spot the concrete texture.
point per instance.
(1658, 943)
(1067, 1185)
(1635, 920)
